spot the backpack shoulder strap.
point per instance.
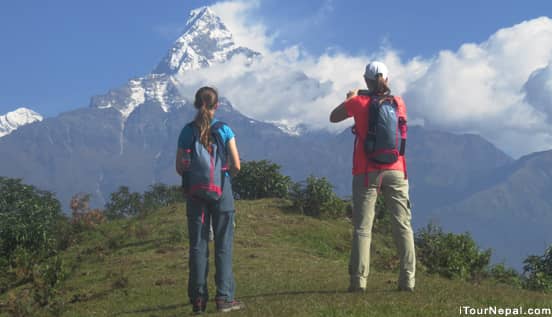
(195, 130)
(217, 136)
(373, 112)
(221, 148)
(217, 125)
(401, 107)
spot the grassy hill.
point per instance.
(285, 264)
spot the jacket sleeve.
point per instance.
(353, 106)
(401, 107)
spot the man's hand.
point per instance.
(352, 93)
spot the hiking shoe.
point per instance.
(225, 307)
(199, 306)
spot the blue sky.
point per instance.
(57, 54)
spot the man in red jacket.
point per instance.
(372, 175)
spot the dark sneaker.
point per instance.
(199, 306)
(225, 307)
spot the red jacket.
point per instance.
(357, 107)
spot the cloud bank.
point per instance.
(500, 88)
(497, 89)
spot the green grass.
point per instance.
(285, 265)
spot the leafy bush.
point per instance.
(502, 274)
(315, 197)
(28, 218)
(537, 271)
(47, 279)
(450, 255)
(65, 233)
(123, 204)
(161, 195)
(82, 215)
(43, 294)
(260, 179)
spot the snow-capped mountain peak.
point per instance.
(289, 128)
(13, 120)
(205, 41)
(202, 13)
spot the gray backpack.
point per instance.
(383, 143)
(205, 177)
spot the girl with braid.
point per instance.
(205, 129)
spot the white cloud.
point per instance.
(538, 90)
(271, 88)
(500, 88)
(240, 19)
(480, 88)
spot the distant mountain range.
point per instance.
(510, 209)
(128, 137)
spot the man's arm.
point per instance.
(339, 113)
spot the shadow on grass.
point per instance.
(311, 292)
(289, 209)
(165, 308)
(140, 243)
(155, 309)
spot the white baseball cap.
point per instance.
(374, 68)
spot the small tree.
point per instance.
(315, 197)
(82, 214)
(502, 274)
(450, 255)
(260, 179)
(537, 271)
(123, 204)
(161, 195)
(28, 219)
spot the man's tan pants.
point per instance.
(394, 187)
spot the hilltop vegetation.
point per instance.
(286, 264)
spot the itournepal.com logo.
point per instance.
(504, 311)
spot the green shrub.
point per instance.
(82, 216)
(28, 218)
(124, 204)
(161, 195)
(65, 235)
(315, 197)
(502, 274)
(43, 296)
(47, 279)
(537, 271)
(450, 255)
(260, 179)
